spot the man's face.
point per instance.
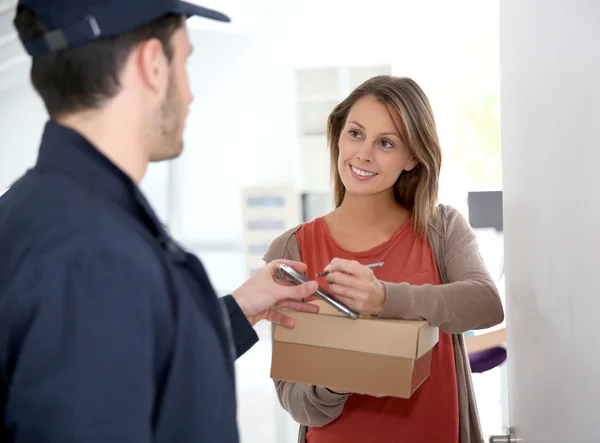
(173, 111)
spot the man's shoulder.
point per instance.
(43, 218)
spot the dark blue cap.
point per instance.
(74, 23)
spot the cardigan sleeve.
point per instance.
(469, 298)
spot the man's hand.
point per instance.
(262, 295)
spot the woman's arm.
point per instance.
(308, 405)
(468, 300)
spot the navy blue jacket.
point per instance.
(109, 331)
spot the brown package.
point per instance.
(367, 355)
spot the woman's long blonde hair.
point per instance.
(416, 190)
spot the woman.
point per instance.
(385, 166)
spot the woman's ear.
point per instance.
(412, 163)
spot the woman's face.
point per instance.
(372, 154)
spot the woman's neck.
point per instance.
(361, 223)
(372, 212)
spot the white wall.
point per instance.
(22, 118)
(550, 62)
(239, 132)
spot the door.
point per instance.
(550, 74)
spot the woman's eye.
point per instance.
(386, 144)
(353, 133)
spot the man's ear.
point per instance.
(152, 64)
(412, 163)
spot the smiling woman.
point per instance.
(385, 166)
(401, 138)
(372, 152)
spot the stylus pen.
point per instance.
(371, 265)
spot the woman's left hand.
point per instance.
(356, 286)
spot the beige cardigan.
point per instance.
(467, 299)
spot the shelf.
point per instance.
(313, 116)
(315, 163)
(317, 82)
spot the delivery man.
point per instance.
(111, 332)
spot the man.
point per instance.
(110, 332)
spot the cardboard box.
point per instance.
(366, 355)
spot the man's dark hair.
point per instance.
(84, 77)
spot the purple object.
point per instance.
(483, 361)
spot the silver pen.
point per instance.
(371, 265)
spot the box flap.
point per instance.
(428, 338)
(331, 329)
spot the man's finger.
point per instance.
(285, 282)
(298, 292)
(298, 266)
(280, 319)
(298, 306)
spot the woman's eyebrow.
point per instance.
(395, 134)
(357, 124)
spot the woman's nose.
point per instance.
(365, 152)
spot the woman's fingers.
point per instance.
(351, 267)
(348, 293)
(343, 279)
(351, 302)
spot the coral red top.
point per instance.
(431, 414)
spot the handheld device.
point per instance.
(321, 293)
